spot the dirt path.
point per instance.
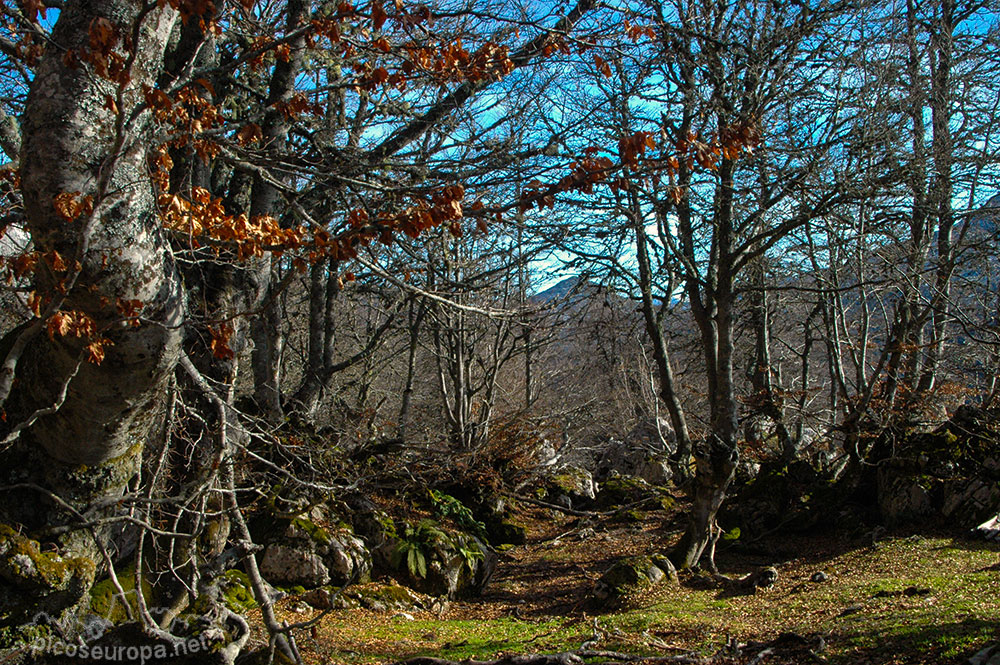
(916, 600)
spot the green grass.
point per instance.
(959, 615)
(382, 638)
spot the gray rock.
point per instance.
(901, 498)
(629, 575)
(450, 575)
(573, 482)
(644, 453)
(970, 501)
(309, 555)
(988, 656)
(293, 566)
(990, 529)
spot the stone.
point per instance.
(970, 501)
(901, 497)
(506, 532)
(443, 562)
(618, 490)
(293, 566)
(628, 576)
(572, 482)
(643, 453)
(988, 656)
(990, 529)
(305, 553)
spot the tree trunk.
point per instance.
(415, 319)
(941, 143)
(712, 307)
(654, 331)
(767, 399)
(264, 201)
(89, 446)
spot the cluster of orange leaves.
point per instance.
(634, 146)
(453, 63)
(70, 205)
(203, 217)
(444, 207)
(219, 344)
(32, 8)
(190, 112)
(77, 324)
(202, 10)
(22, 265)
(636, 32)
(585, 172)
(297, 105)
(10, 184)
(732, 142)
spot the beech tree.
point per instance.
(175, 168)
(705, 197)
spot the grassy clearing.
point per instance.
(359, 636)
(913, 600)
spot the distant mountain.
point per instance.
(558, 291)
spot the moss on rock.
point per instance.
(105, 601)
(506, 532)
(628, 576)
(619, 490)
(317, 533)
(237, 592)
(24, 565)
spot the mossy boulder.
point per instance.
(34, 581)
(644, 452)
(629, 516)
(391, 597)
(490, 516)
(307, 544)
(951, 474)
(618, 490)
(237, 591)
(107, 603)
(791, 496)
(374, 526)
(312, 555)
(571, 486)
(439, 561)
(507, 531)
(630, 575)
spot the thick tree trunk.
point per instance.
(943, 191)
(715, 464)
(71, 144)
(88, 446)
(324, 291)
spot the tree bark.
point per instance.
(266, 331)
(88, 446)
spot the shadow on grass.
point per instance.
(939, 644)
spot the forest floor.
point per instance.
(894, 598)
